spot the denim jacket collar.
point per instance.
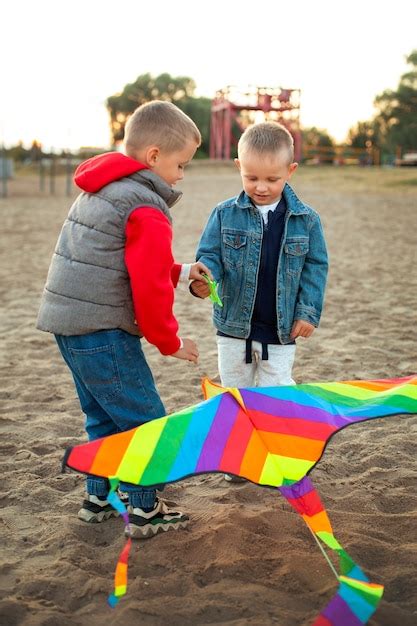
(294, 205)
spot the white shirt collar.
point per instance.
(265, 208)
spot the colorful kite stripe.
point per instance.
(356, 599)
(271, 436)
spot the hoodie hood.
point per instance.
(95, 173)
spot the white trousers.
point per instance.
(235, 372)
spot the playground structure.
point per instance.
(234, 109)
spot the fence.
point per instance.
(340, 155)
(54, 174)
(47, 172)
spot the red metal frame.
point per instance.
(235, 106)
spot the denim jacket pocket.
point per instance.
(295, 252)
(234, 248)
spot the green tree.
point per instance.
(35, 151)
(18, 152)
(363, 135)
(146, 87)
(397, 115)
(199, 110)
(395, 122)
(317, 144)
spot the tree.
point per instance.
(397, 116)
(145, 88)
(395, 122)
(199, 110)
(317, 144)
(35, 151)
(362, 135)
(18, 152)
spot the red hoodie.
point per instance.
(148, 253)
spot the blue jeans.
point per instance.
(116, 390)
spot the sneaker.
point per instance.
(144, 525)
(231, 478)
(95, 511)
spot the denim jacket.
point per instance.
(231, 247)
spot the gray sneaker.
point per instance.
(95, 511)
(144, 525)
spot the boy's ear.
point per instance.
(292, 169)
(237, 163)
(151, 156)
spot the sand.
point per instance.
(246, 557)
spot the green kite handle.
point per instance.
(213, 286)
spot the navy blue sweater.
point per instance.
(264, 317)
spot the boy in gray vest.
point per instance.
(111, 281)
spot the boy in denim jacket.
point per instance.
(267, 251)
(111, 281)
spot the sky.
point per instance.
(61, 60)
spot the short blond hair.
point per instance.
(162, 124)
(266, 138)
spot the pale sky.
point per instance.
(60, 60)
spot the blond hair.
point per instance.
(162, 124)
(266, 138)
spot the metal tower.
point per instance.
(234, 109)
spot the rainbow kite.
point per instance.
(272, 436)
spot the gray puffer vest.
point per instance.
(88, 287)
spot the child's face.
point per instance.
(170, 166)
(264, 176)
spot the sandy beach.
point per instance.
(246, 558)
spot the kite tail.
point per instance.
(356, 598)
(120, 575)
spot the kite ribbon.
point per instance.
(356, 598)
(120, 575)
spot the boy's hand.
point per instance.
(200, 288)
(197, 270)
(188, 352)
(301, 328)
